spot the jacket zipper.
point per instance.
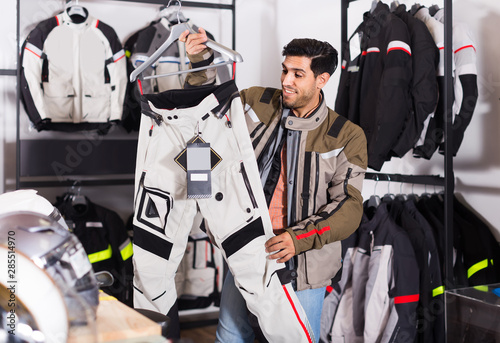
(254, 132)
(248, 186)
(317, 182)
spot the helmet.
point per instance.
(49, 286)
(29, 200)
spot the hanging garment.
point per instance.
(140, 46)
(432, 208)
(339, 297)
(384, 74)
(131, 118)
(383, 307)
(392, 291)
(353, 301)
(465, 81)
(433, 132)
(385, 83)
(105, 240)
(348, 98)
(199, 277)
(173, 59)
(430, 310)
(424, 87)
(235, 210)
(472, 266)
(432, 313)
(73, 75)
(480, 248)
(419, 244)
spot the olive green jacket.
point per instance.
(324, 179)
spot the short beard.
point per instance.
(299, 102)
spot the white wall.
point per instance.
(263, 28)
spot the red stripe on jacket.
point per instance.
(465, 47)
(312, 232)
(406, 299)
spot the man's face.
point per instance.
(300, 89)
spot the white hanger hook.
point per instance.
(178, 10)
(376, 183)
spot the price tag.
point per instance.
(199, 183)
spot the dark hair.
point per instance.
(324, 57)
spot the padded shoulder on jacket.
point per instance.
(337, 125)
(255, 95)
(111, 35)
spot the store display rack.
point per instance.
(448, 181)
(34, 157)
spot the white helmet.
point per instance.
(29, 200)
(49, 286)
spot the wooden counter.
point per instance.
(116, 322)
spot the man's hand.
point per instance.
(283, 244)
(194, 41)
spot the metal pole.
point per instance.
(18, 92)
(448, 134)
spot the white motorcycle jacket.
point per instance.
(73, 74)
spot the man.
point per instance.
(312, 163)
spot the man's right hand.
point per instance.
(194, 41)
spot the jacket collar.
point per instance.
(312, 121)
(66, 20)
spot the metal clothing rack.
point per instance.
(448, 180)
(198, 4)
(31, 173)
(430, 180)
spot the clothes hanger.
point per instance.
(76, 12)
(401, 196)
(413, 196)
(76, 198)
(394, 5)
(439, 195)
(374, 5)
(173, 14)
(388, 197)
(176, 31)
(426, 194)
(374, 199)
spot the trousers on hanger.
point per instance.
(236, 214)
